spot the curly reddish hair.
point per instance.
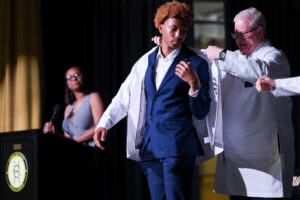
(174, 9)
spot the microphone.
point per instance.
(56, 110)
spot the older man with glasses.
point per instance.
(258, 157)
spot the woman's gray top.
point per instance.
(82, 120)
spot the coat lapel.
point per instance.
(171, 71)
(149, 74)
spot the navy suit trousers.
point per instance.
(168, 178)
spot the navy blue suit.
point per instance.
(169, 138)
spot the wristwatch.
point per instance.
(222, 54)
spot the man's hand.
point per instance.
(213, 52)
(156, 40)
(100, 136)
(187, 73)
(265, 83)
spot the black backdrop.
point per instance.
(105, 38)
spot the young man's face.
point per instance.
(173, 33)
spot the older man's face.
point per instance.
(246, 37)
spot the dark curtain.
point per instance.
(283, 31)
(105, 38)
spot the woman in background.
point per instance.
(84, 109)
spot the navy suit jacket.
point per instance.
(169, 124)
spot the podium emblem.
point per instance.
(16, 171)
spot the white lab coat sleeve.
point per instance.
(273, 64)
(127, 100)
(118, 108)
(287, 87)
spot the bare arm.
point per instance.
(97, 109)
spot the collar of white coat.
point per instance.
(264, 43)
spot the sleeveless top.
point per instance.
(82, 120)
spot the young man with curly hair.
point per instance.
(166, 88)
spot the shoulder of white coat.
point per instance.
(202, 54)
(143, 59)
(266, 48)
(272, 53)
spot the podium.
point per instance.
(38, 166)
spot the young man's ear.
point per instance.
(160, 28)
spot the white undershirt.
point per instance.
(162, 65)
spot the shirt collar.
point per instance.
(171, 56)
(262, 44)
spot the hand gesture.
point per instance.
(265, 83)
(188, 73)
(100, 136)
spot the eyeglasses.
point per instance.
(235, 35)
(73, 77)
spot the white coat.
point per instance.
(252, 163)
(287, 87)
(130, 101)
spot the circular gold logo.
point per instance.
(16, 171)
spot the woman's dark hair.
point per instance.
(69, 96)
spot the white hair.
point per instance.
(254, 16)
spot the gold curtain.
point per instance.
(20, 65)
